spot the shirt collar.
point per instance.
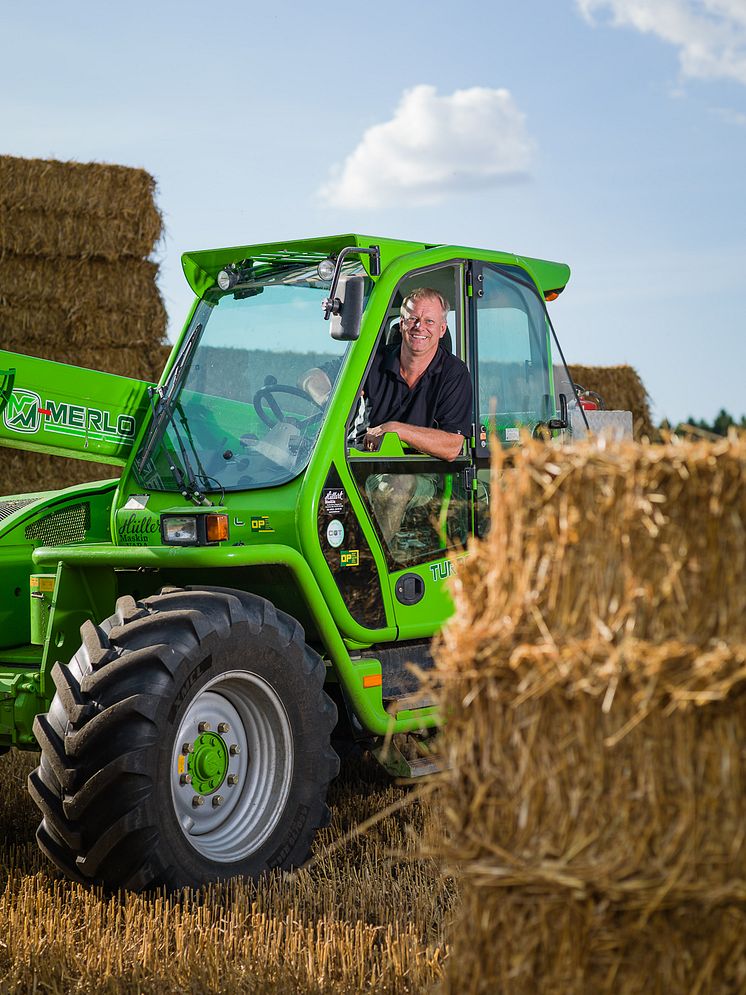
(392, 363)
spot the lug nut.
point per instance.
(223, 727)
(186, 748)
(185, 779)
(197, 801)
(217, 801)
(233, 779)
(204, 727)
(235, 750)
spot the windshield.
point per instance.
(245, 401)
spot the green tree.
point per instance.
(722, 422)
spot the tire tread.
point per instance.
(94, 785)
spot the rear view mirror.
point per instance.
(347, 312)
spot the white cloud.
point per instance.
(709, 34)
(434, 146)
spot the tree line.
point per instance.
(719, 426)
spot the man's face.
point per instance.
(422, 328)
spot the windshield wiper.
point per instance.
(163, 413)
(189, 488)
(163, 410)
(185, 478)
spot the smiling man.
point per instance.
(418, 389)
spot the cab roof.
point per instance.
(202, 267)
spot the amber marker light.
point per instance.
(552, 295)
(372, 681)
(216, 528)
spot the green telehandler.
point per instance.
(192, 644)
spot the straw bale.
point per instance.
(549, 945)
(56, 233)
(121, 284)
(594, 677)
(77, 209)
(45, 327)
(139, 363)
(28, 472)
(621, 389)
(43, 183)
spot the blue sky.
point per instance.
(609, 134)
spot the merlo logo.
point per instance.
(21, 413)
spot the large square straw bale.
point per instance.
(76, 286)
(621, 389)
(138, 363)
(40, 280)
(45, 329)
(56, 208)
(22, 472)
(594, 679)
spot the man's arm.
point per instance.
(433, 441)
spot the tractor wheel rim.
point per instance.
(232, 766)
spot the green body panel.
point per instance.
(83, 511)
(67, 411)
(273, 547)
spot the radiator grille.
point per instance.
(61, 527)
(8, 507)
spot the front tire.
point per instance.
(188, 742)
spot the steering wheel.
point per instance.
(264, 396)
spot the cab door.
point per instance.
(419, 507)
(514, 390)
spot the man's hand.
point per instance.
(432, 441)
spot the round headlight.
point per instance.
(226, 279)
(325, 269)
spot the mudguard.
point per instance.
(48, 407)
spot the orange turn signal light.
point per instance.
(216, 528)
(372, 681)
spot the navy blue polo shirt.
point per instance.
(441, 398)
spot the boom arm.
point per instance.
(48, 407)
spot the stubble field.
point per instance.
(366, 916)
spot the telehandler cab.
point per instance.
(240, 605)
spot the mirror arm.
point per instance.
(559, 424)
(332, 303)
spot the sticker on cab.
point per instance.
(260, 523)
(335, 533)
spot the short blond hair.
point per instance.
(426, 293)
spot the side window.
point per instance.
(419, 506)
(513, 372)
(417, 515)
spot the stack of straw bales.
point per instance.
(621, 389)
(77, 284)
(594, 677)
